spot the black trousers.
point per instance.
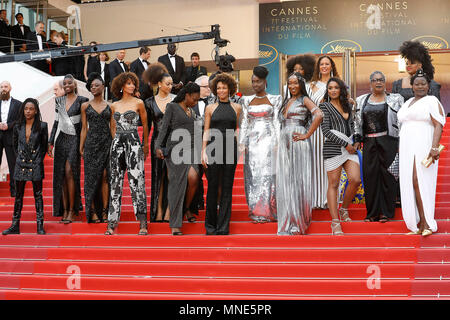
(11, 158)
(219, 176)
(38, 198)
(380, 186)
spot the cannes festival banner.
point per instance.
(331, 26)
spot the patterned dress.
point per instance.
(96, 156)
(126, 155)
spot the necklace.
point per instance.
(261, 97)
(163, 99)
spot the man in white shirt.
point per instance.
(205, 92)
(36, 42)
(9, 114)
(138, 66)
(176, 67)
(19, 33)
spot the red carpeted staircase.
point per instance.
(76, 261)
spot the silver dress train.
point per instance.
(259, 134)
(294, 173)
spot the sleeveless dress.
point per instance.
(96, 157)
(294, 173)
(259, 133)
(320, 178)
(222, 160)
(126, 155)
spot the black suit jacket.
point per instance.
(18, 37)
(5, 37)
(33, 45)
(13, 115)
(30, 155)
(115, 69)
(144, 89)
(193, 73)
(178, 74)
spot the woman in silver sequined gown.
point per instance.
(294, 165)
(258, 138)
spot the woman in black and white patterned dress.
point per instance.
(338, 150)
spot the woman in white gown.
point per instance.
(325, 69)
(422, 119)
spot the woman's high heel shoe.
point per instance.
(110, 228)
(105, 215)
(343, 213)
(69, 217)
(427, 232)
(336, 227)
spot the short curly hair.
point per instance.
(307, 61)
(226, 79)
(119, 82)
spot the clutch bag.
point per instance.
(428, 161)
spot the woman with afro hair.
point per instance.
(417, 57)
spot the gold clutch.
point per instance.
(428, 161)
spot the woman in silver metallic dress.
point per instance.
(259, 140)
(294, 165)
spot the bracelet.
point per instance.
(435, 149)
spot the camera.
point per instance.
(225, 63)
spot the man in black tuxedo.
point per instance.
(175, 65)
(19, 34)
(9, 113)
(36, 42)
(116, 67)
(5, 33)
(138, 66)
(195, 71)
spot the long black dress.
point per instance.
(220, 170)
(96, 157)
(181, 155)
(65, 137)
(159, 168)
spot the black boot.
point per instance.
(15, 226)
(39, 204)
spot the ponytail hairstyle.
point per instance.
(37, 118)
(189, 88)
(94, 76)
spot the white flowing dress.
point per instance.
(320, 179)
(416, 137)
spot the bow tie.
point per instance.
(145, 61)
(171, 56)
(120, 61)
(205, 100)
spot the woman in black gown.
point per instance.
(64, 145)
(95, 143)
(157, 74)
(221, 119)
(417, 57)
(178, 129)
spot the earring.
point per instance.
(332, 74)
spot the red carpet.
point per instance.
(372, 260)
